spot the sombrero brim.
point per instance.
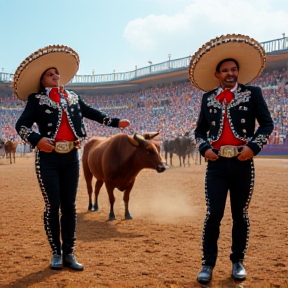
(249, 54)
(27, 76)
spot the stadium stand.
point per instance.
(160, 99)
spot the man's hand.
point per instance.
(45, 145)
(123, 123)
(209, 154)
(245, 154)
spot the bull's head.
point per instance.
(151, 157)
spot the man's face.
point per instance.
(51, 78)
(228, 74)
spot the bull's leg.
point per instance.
(14, 156)
(180, 161)
(88, 178)
(98, 186)
(126, 198)
(184, 159)
(110, 190)
(171, 156)
(10, 157)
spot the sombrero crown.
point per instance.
(249, 54)
(27, 76)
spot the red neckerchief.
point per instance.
(55, 94)
(227, 95)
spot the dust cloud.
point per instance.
(168, 201)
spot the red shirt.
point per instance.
(65, 132)
(227, 137)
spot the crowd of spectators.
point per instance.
(171, 108)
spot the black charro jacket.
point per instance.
(48, 114)
(247, 106)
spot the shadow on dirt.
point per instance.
(31, 279)
(94, 230)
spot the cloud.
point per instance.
(203, 20)
(146, 34)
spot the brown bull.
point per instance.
(10, 149)
(116, 161)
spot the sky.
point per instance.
(117, 35)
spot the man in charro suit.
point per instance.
(226, 136)
(52, 123)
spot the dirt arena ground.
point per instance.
(160, 247)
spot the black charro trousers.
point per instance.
(223, 175)
(58, 176)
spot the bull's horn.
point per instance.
(133, 141)
(151, 135)
(140, 139)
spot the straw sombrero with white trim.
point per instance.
(27, 76)
(249, 54)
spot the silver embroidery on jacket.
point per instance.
(45, 100)
(25, 132)
(260, 140)
(72, 97)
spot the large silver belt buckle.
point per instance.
(228, 151)
(64, 146)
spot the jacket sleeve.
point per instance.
(24, 123)
(97, 115)
(202, 128)
(264, 120)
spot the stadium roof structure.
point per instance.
(167, 72)
(275, 60)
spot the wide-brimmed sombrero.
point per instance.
(27, 76)
(249, 54)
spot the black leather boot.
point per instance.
(70, 261)
(205, 275)
(238, 271)
(56, 262)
